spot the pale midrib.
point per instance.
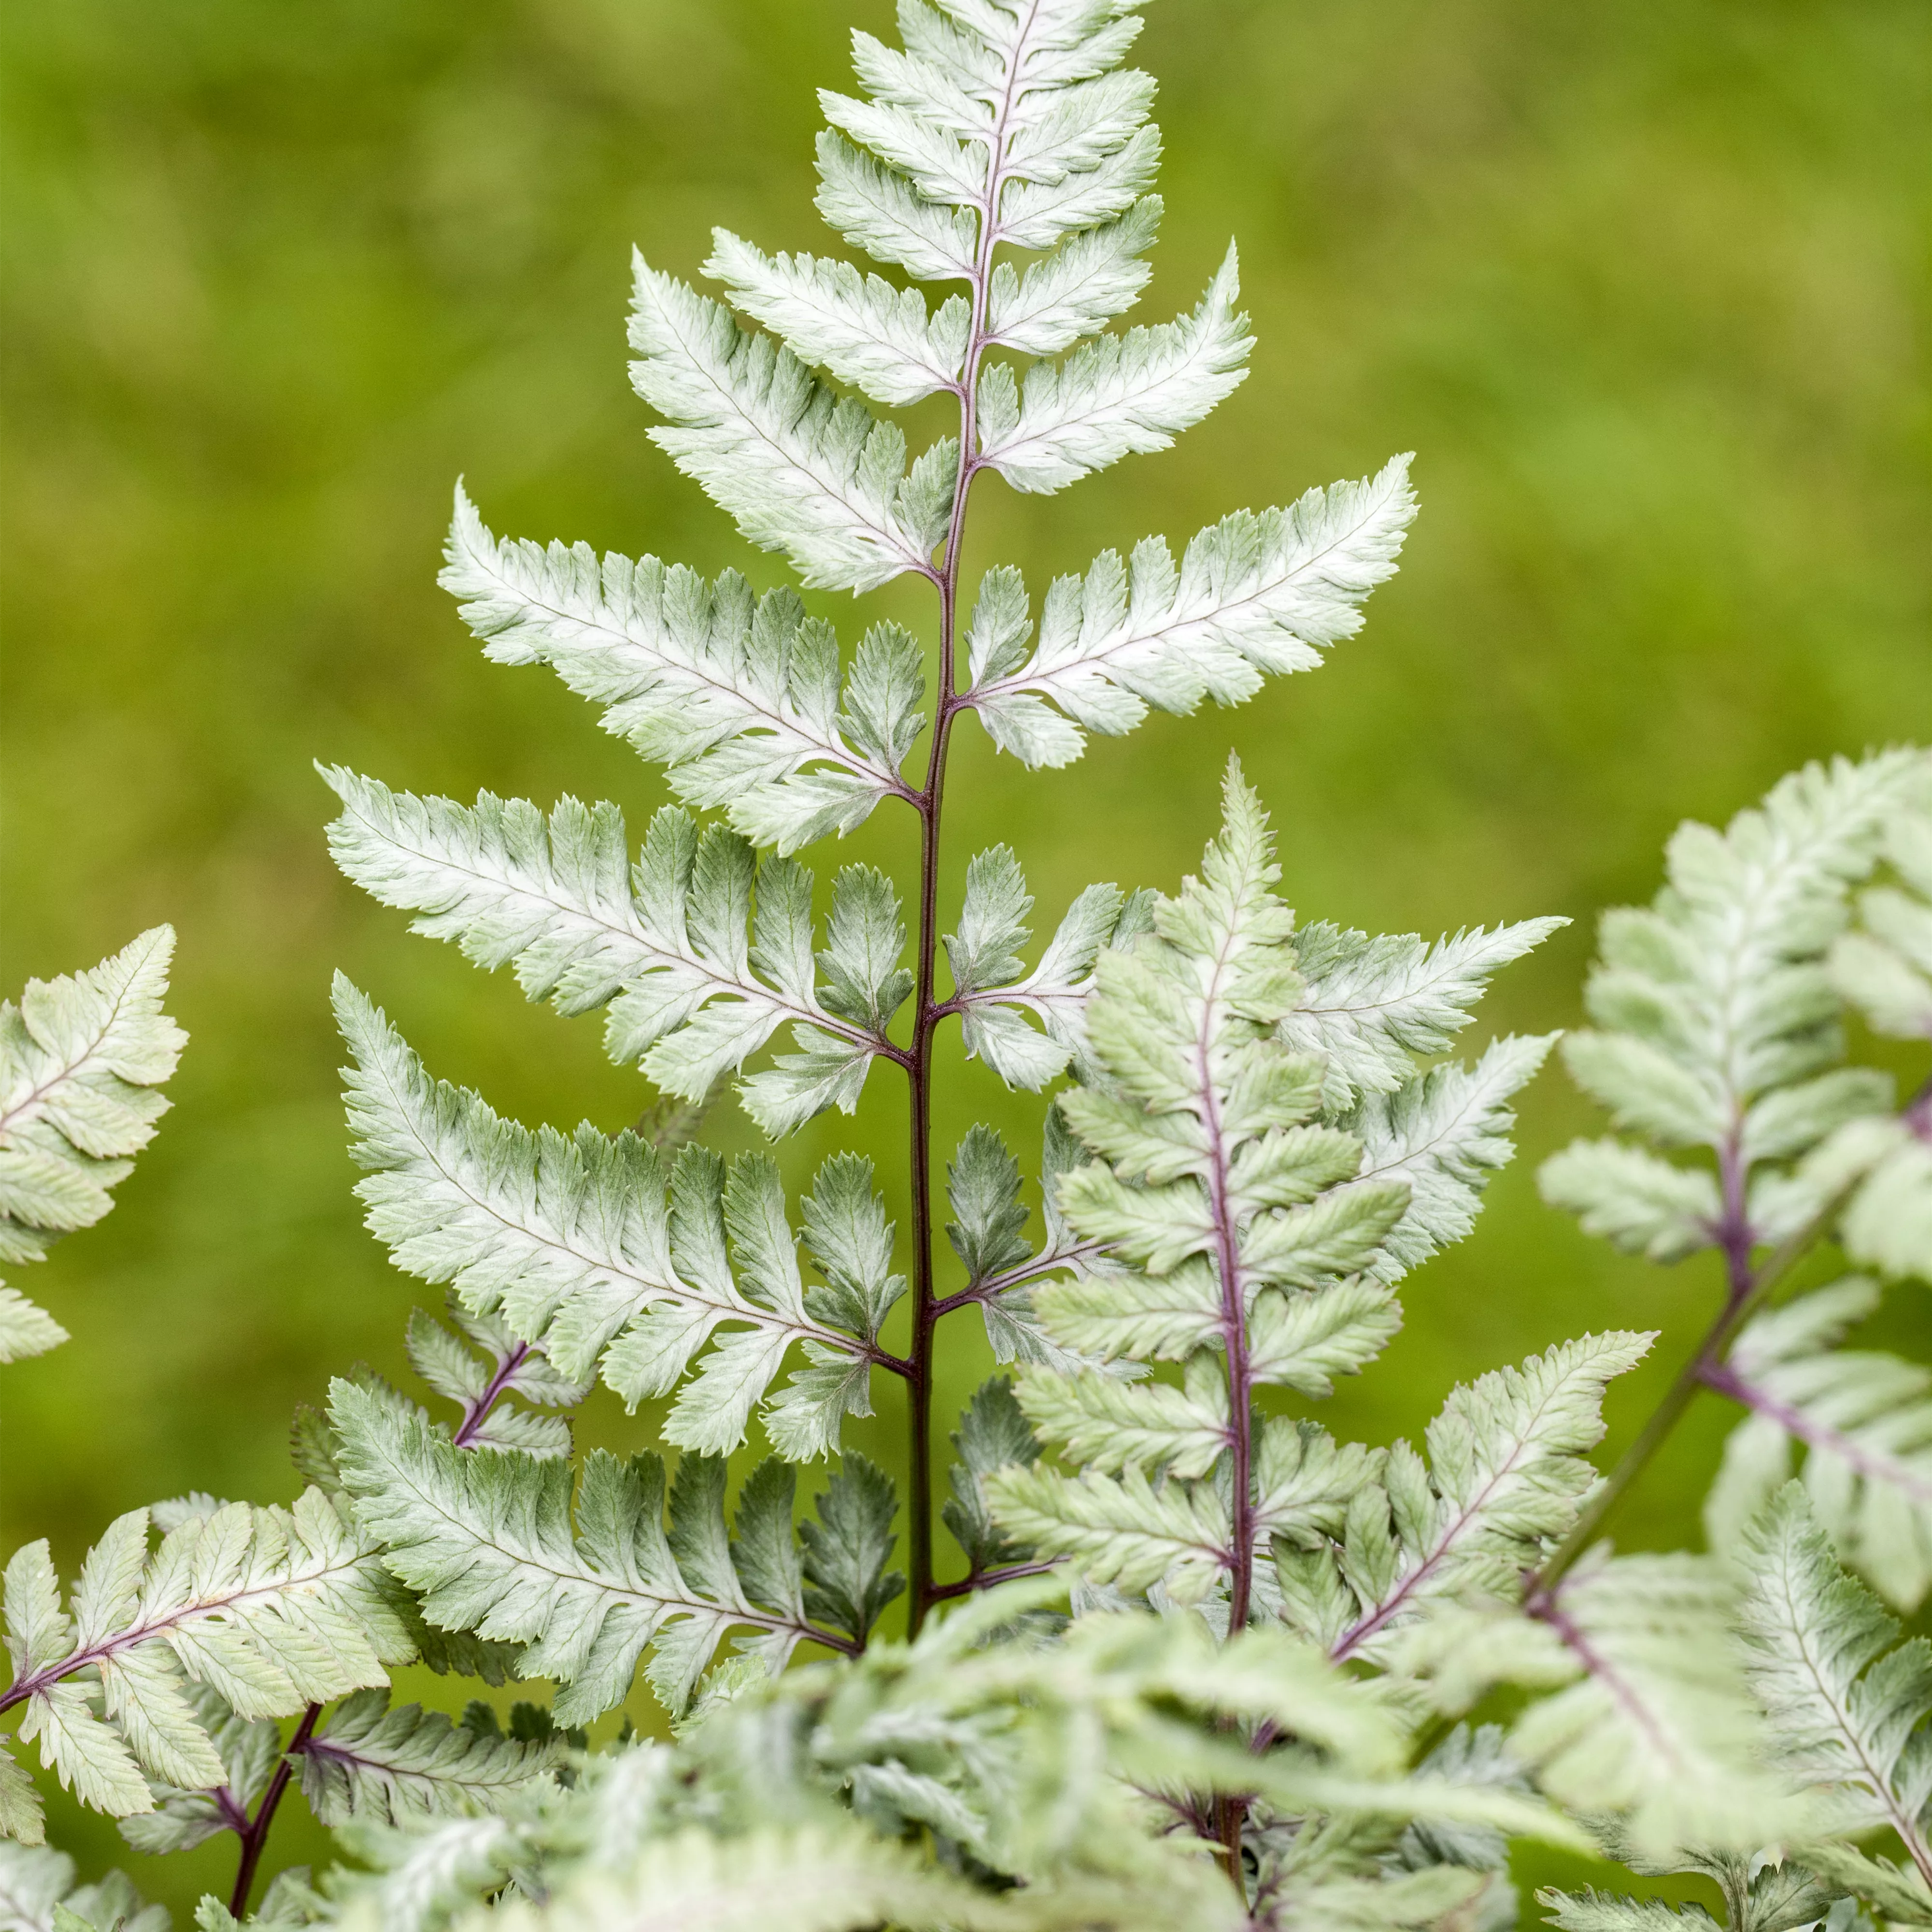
(888, 535)
(675, 1290)
(30, 1103)
(1035, 676)
(748, 990)
(777, 721)
(1797, 1627)
(1470, 1513)
(1479, 1101)
(48, 1674)
(332, 1751)
(586, 1578)
(1122, 398)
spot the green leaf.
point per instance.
(1256, 595)
(847, 1584)
(861, 980)
(487, 1538)
(982, 1183)
(736, 695)
(993, 1434)
(799, 471)
(82, 1058)
(367, 1762)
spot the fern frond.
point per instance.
(799, 470)
(82, 1059)
(738, 696)
(1255, 595)
(588, 1250)
(1864, 1420)
(38, 1894)
(1845, 1709)
(366, 1761)
(1718, 1022)
(1504, 1475)
(1884, 968)
(486, 1537)
(706, 953)
(992, 987)
(1444, 1132)
(1114, 397)
(25, 1328)
(249, 1749)
(1368, 1005)
(272, 1609)
(1655, 1726)
(484, 1366)
(878, 338)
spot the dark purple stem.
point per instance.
(984, 1579)
(256, 1837)
(477, 1412)
(928, 1010)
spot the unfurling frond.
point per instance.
(1254, 595)
(486, 1537)
(271, 1609)
(588, 1248)
(702, 954)
(82, 1060)
(1864, 1421)
(738, 696)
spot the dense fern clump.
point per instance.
(1187, 1659)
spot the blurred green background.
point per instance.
(1642, 284)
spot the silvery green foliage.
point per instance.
(393, 1767)
(1722, 1010)
(1251, 1231)
(38, 1894)
(82, 1060)
(1232, 1702)
(793, 1805)
(491, 1542)
(588, 1249)
(1863, 1421)
(271, 1609)
(1718, 1020)
(1846, 1709)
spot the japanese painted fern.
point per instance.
(1188, 1659)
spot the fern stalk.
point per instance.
(255, 1837)
(927, 1309)
(1748, 1290)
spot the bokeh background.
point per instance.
(1643, 285)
